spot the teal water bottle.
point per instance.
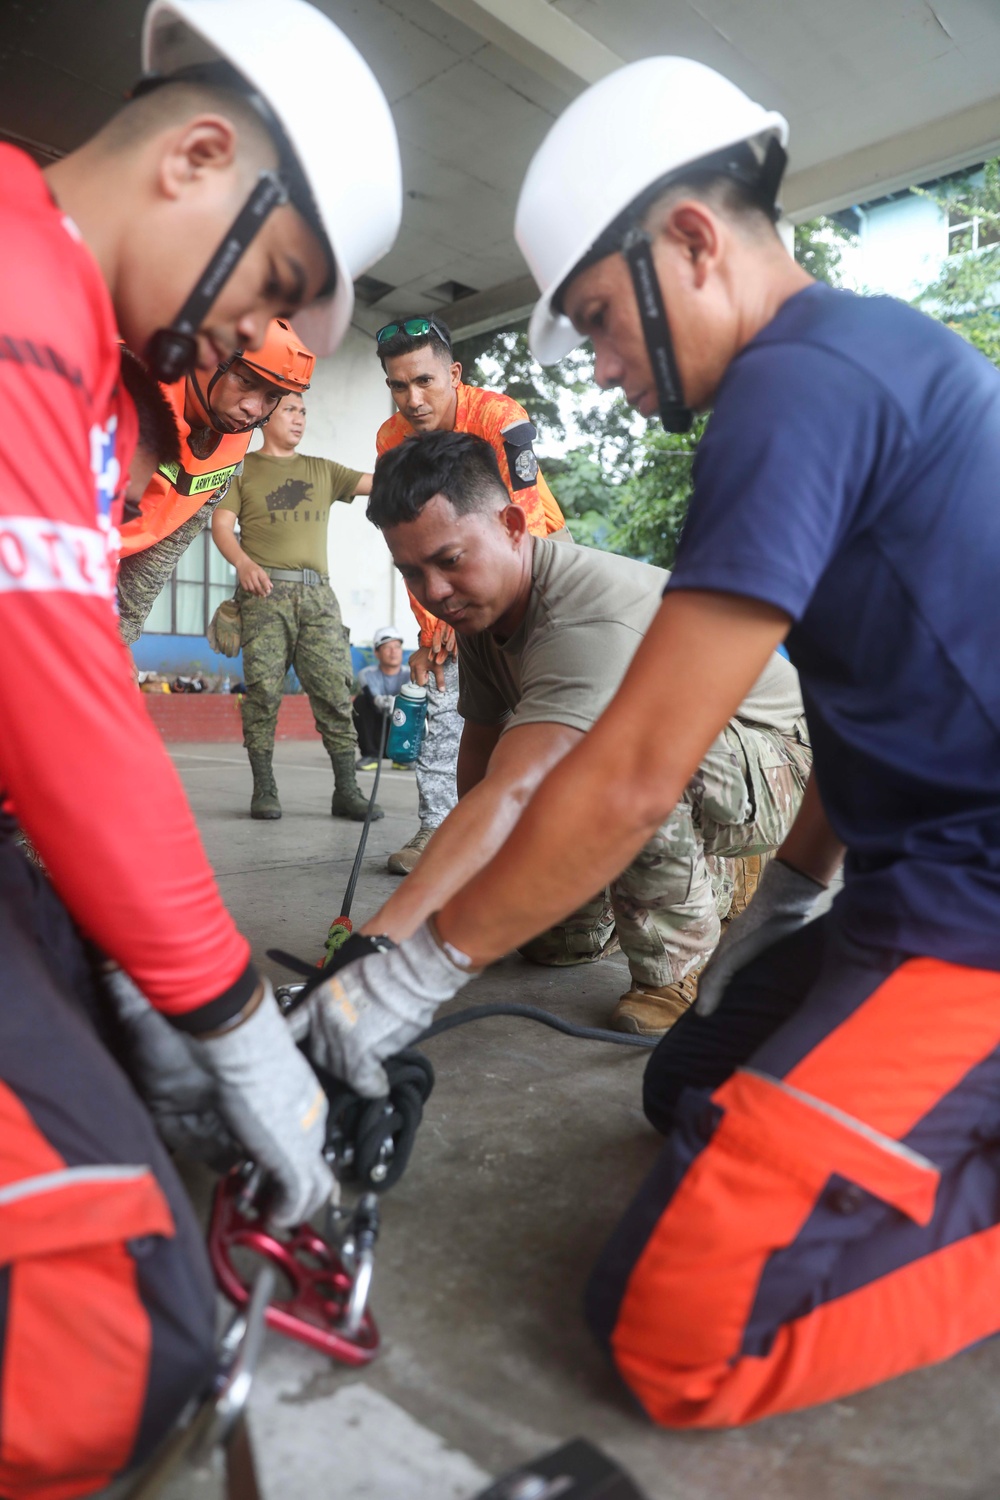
(409, 714)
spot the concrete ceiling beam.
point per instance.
(498, 307)
(930, 150)
(540, 37)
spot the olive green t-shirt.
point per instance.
(283, 507)
(586, 616)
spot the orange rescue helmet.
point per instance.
(283, 358)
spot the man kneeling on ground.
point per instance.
(545, 635)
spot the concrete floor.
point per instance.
(531, 1146)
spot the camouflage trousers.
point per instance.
(298, 625)
(143, 576)
(668, 906)
(437, 763)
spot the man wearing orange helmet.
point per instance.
(216, 420)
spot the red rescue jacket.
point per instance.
(123, 850)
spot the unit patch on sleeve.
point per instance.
(521, 460)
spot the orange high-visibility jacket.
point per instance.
(176, 491)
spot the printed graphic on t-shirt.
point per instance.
(288, 497)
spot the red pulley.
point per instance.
(326, 1306)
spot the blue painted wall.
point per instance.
(188, 655)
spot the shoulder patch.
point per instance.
(521, 460)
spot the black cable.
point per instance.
(348, 954)
(345, 910)
(533, 1013)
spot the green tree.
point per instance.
(652, 504)
(587, 493)
(819, 248)
(966, 293)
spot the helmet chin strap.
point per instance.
(173, 351)
(209, 412)
(637, 248)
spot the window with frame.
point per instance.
(970, 232)
(197, 586)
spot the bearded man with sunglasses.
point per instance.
(425, 382)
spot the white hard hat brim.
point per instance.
(321, 90)
(551, 335)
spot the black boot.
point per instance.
(349, 801)
(264, 803)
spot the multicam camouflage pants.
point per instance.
(438, 760)
(143, 576)
(667, 907)
(298, 625)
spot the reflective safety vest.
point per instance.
(176, 491)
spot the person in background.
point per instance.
(215, 420)
(425, 382)
(289, 614)
(377, 686)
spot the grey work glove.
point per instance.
(785, 901)
(373, 1008)
(178, 1091)
(274, 1104)
(384, 702)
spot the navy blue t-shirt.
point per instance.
(850, 474)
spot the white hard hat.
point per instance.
(331, 108)
(385, 633)
(625, 133)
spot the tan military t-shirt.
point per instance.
(283, 506)
(587, 613)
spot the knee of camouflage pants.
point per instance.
(582, 938)
(666, 904)
(322, 658)
(739, 805)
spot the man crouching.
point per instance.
(545, 635)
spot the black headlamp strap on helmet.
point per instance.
(637, 248)
(772, 169)
(172, 351)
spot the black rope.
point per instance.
(345, 910)
(371, 1140)
(533, 1013)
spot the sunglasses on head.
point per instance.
(416, 328)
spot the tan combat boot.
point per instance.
(651, 1010)
(404, 860)
(748, 868)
